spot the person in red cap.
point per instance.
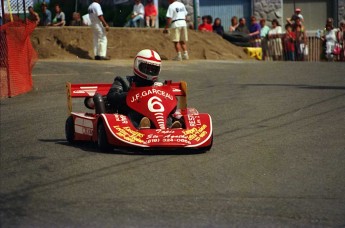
(296, 15)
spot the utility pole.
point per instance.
(195, 7)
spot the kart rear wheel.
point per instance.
(102, 140)
(69, 129)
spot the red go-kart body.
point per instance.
(113, 130)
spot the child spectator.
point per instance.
(234, 24)
(289, 41)
(263, 35)
(217, 27)
(33, 16)
(59, 19)
(205, 26)
(150, 14)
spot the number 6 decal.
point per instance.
(155, 101)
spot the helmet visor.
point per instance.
(149, 69)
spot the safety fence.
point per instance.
(278, 49)
(17, 58)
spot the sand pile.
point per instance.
(124, 43)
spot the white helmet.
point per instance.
(147, 65)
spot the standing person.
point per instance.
(330, 38)
(263, 35)
(33, 16)
(254, 30)
(242, 27)
(341, 39)
(296, 15)
(234, 24)
(274, 40)
(59, 19)
(289, 43)
(217, 27)
(76, 20)
(99, 27)
(301, 40)
(137, 14)
(150, 14)
(46, 15)
(176, 19)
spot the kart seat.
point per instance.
(99, 103)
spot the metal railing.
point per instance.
(273, 49)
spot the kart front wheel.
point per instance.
(102, 140)
(69, 129)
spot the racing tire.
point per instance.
(102, 140)
(69, 129)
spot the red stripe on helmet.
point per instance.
(152, 58)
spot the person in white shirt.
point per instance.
(99, 27)
(137, 14)
(176, 20)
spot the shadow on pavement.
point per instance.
(92, 147)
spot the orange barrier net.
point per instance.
(17, 58)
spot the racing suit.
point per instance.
(117, 94)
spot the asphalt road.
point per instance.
(278, 158)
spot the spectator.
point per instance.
(341, 39)
(289, 41)
(234, 24)
(264, 28)
(176, 19)
(296, 15)
(137, 14)
(301, 40)
(254, 30)
(209, 19)
(217, 27)
(59, 19)
(33, 16)
(99, 27)
(263, 35)
(205, 26)
(46, 15)
(330, 38)
(150, 14)
(275, 42)
(242, 27)
(76, 20)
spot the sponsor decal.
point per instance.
(121, 118)
(83, 126)
(129, 135)
(194, 120)
(196, 133)
(90, 90)
(145, 93)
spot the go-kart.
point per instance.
(113, 130)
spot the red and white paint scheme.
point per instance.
(156, 103)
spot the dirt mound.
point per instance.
(123, 43)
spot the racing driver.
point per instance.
(147, 66)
